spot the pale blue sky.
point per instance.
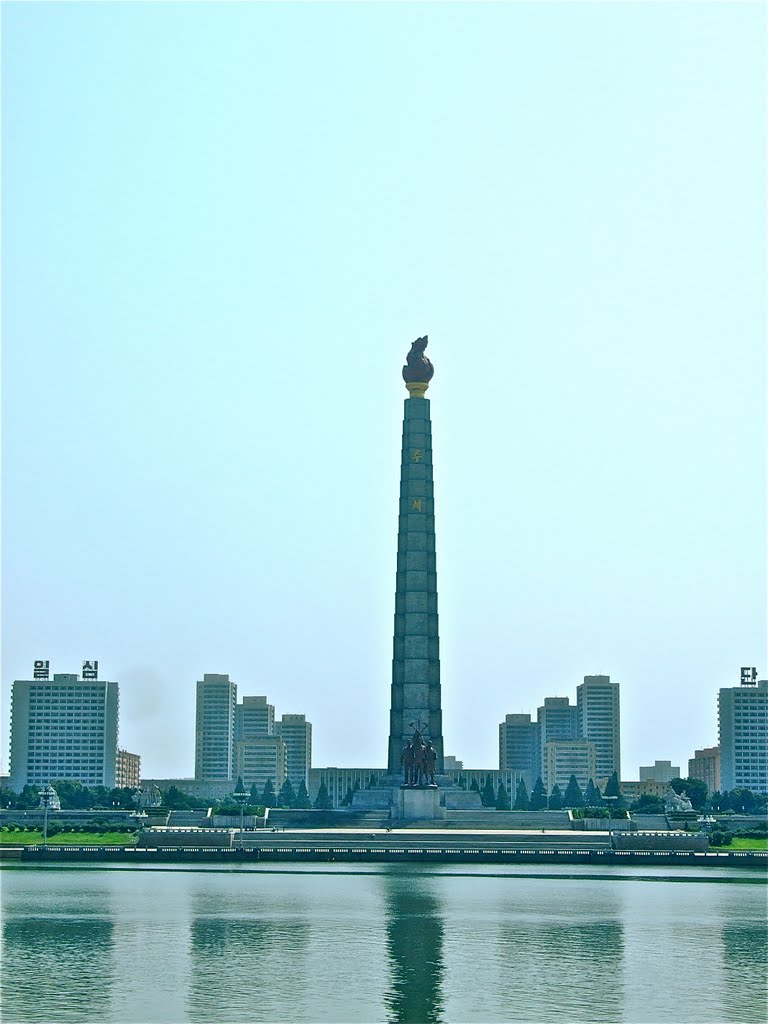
(224, 224)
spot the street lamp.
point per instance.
(240, 796)
(47, 798)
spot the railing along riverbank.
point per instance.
(372, 852)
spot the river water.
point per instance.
(382, 943)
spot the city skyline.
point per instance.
(556, 719)
(201, 367)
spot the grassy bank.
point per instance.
(35, 838)
(743, 844)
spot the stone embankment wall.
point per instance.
(690, 841)
(604, 825)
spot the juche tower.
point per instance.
(416, 702)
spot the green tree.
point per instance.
(371, 783)
(73, 795)
(556, 799)
(302, 796)
(592, 795)
(254, 795)
(488, 794)
(348, 797)
(522, 803)
(7, 797)
(474, 787)
(323, 800)
(461, 782)
(613, 787)
(573, 796)
(98, 796)
(741, 800)
(695, 790)
(647, 804)
(287, 795)
(719, 801)
(538, 801)
(121, 797)
(720, 838)
(28, 798)
(503, 802)
(174, 799)
(268, 795)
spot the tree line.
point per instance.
(74, 796)
(741, 801)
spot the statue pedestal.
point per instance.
(417, 803)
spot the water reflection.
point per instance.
(57, 968)
(534, 952)
(745, 955)
(242, 954)
(414, 922)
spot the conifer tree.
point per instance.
(255, 796)
(522, 803)
(612, 787)
(347, 799)
(268, 796)
(302, 796)
(573, 796)
(538, 801)
(502, 799)
(323, 800)
(488, 794)
(556, 799)
(475, 786)
(287, 795)
(592, 797)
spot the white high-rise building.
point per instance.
(215, 728)
(296, 733)
(519, 746)
(258, 758)
(660, 771)
(564, 758)
(64, 728)
(254, 717)
(597, 700)
(556, 719)
(742, 713)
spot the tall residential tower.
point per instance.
(742, 713)
(597, 700)
(215, 728)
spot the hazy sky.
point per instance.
(224, 224)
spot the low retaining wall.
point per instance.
(693, 841)
(604, 825)
(186, 838)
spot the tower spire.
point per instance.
(416, 654)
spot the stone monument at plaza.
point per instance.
(415, 719)
(415, 752)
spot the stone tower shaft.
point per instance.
(416, 656)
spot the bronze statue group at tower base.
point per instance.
(419, 761)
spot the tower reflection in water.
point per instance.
(745, 956)
(414, 922)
